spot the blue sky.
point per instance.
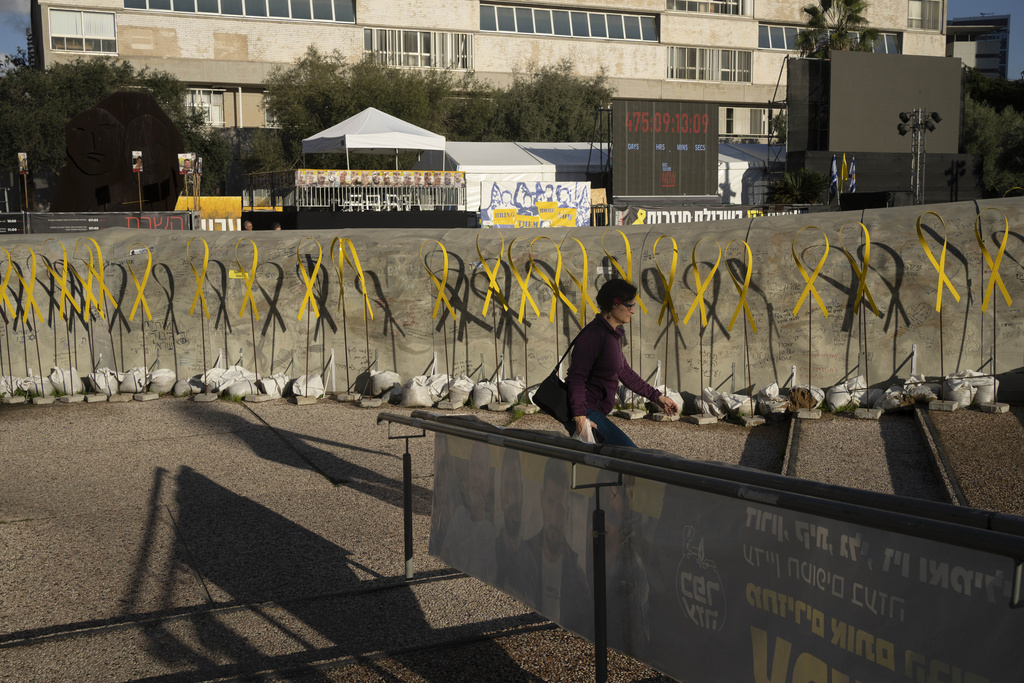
(14, 21)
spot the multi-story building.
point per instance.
(982, 43)
(732, 53)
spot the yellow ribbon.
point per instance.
(581, 284)
(441, 296)
(701, 286)
(140, 289)
(4, 299)
(940, 265)
(309, 280)
(249, 278)
(641, 217)
(29, 287)
(861, 273)
(199, 276)
(628, 274)
(809, 287)
(65, 293)
(524, 285)
(742, 289)
(556, 290)
(1012, 189)
(492, 275)
(993, 265)
(354, 262)
(339, 267)
(95, 273)
(667, 303)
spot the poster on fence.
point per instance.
(534, 204)
(706, 587)
(88, 222)
(312, 177)
(654, 215)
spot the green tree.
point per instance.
(35, 106)
(799, 187)
(998, 137)
(997, 93)
(549, 104)
(835, 25)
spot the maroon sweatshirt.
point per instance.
(598, 366)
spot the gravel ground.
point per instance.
(986, 453)
(887, 455)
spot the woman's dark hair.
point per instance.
(612, 290)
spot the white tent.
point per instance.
(510, 162)
(743, 171)
(371, 131)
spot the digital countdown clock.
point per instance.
(664, 148)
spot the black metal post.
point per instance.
(600, 595)
(407, 497)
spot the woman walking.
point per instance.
(598, 366)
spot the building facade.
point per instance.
(730, 52)
(982, 43)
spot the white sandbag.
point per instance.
(187, 387)
(8, 385)
(105, 381)
(219, 379)
(672, 394)
(383, 381)
(769, 401)
(922, 391)
(416, 393)
(66, 382)
(35, 385)
(438, 386)
(241, 388)
(852, 391)
(460, 390)
(960, 390)
(308, 385)
(275, 385)
(986, 392)
(511, 389)
(738, 404)
(485, 393)
(710, 403)
(161, 380)
(894, 397)
(134, 381)
(817, 395)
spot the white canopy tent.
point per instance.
(371, 131)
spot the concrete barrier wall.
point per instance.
(404, 336)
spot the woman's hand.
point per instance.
(668, 405)
(581, 422)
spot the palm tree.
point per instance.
(801, 187)
(835, 25)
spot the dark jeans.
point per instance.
(610, 434)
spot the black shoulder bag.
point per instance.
(552, 396)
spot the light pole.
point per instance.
(918, 122)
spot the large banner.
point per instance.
(313, 177)
(534, 204)
(88, 222)
(713, 588)
(653, 215)
(12, 224)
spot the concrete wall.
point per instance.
(403, 336)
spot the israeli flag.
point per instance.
(853, 174)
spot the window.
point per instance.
(82, 31)
(209, 102)
(565, 23)
(887, 43)
(424, 49)
(709, 64)
(317, 10)
(734, 7)
(777, 37)
(926, 14)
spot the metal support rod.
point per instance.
(407, 508)
(600, 595)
